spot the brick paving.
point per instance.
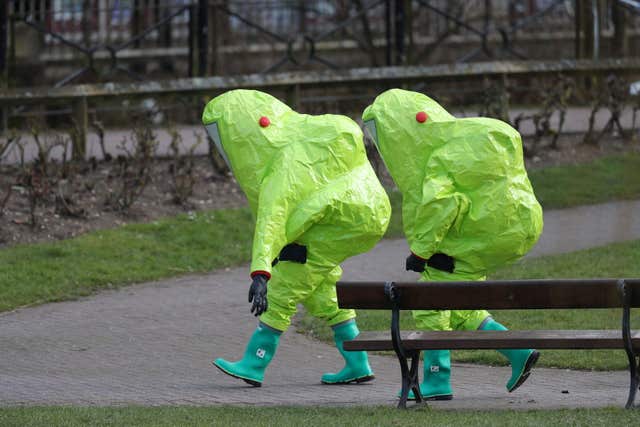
(153, 343)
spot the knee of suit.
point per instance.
(448, 320)
(294, 283)
(468, 320)
(432, 320)
(277, 317)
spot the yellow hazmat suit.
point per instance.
(468, 206)
(310, 185)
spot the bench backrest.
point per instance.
(498, 294)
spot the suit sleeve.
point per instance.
(281, 192)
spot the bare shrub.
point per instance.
(37, 187)
(636, 108)
(65, 203)
(39, 177)
(181, 166)
(611, 95)
(495, 100)
(12, 139)
(133, 169)
(98, 127)
(555, 100)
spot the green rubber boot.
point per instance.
(260, 350)
(521, 360)
(356, 367)
(436, 384)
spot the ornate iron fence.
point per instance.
(107, 40)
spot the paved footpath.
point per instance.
(152, 344)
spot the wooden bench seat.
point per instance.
(505, 294)
(491, 340)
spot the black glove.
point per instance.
(258, 294)
(415, 263)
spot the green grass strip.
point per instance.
(307, 416)
(56, 271)
(608, 178)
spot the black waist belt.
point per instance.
(292, 252)
(442, 262)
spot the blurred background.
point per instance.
(62, 43)
(112, 90)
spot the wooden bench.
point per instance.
(512, 294)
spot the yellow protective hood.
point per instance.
(248, 147)
(465, 189)
(297, 170)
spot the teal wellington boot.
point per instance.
(436, 384)
(356, 367)
(260, 350)
(521, 360)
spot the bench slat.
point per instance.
(466, 340)
(511, 294)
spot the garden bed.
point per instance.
(75, 198)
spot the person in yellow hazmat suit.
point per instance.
(467, 209)
(316, 201)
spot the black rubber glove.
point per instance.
(414, 263)
(258, 294)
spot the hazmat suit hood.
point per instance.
(464, 186)
(404, 143)
(300, 173)
(248, 128)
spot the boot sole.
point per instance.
(355, 380)
(434, 398)
(444, 397)
(531, 361)
(246, 380)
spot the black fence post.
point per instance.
(214, 33)
(4, 45)
(302, 16)
(203, 15)
(191, 40)
(399, 27)
(620, 45)
(388, 9)
(579, 28)
(4, 63)
(136, 20)
(407, 24)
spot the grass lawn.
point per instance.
(307, 416)
(608, 178)
(47, 272)
(617, 260)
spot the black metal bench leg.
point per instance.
(634, 371)
(406, 381)
(410, 380)
(415, 380)
(409, 376)
(634, 359)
